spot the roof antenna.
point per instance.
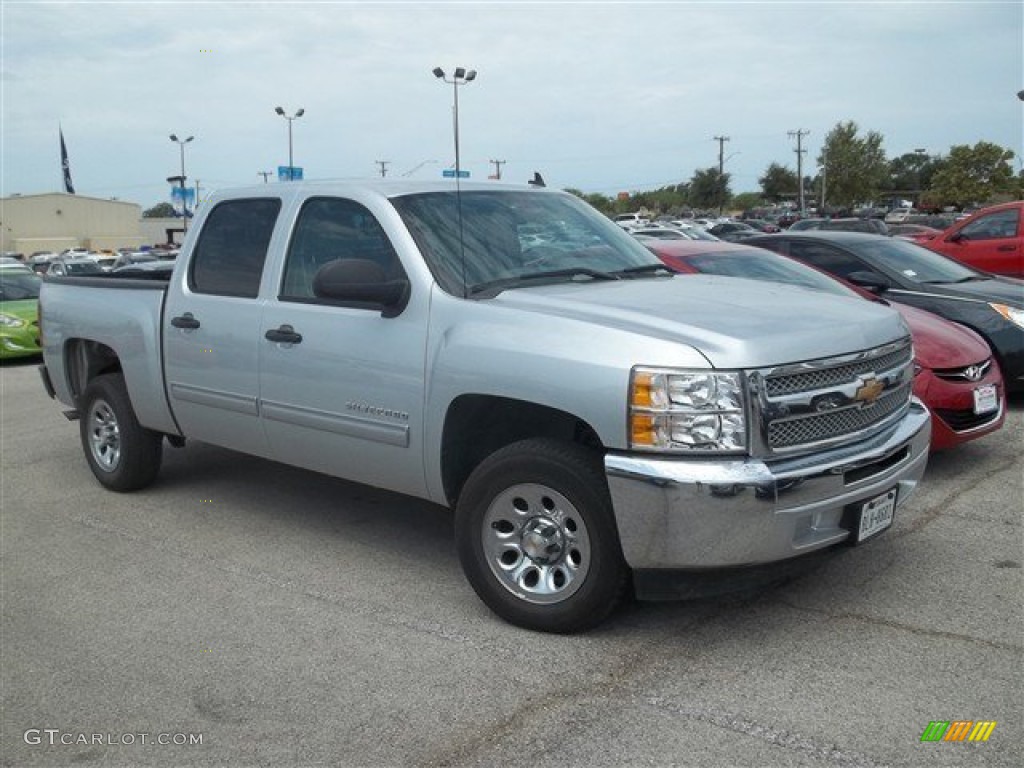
(537, 180)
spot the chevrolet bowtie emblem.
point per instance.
(869, 391)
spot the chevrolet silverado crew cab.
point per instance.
(598, 424)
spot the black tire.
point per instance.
(122, 454)
(537, 538)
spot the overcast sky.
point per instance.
(604, 97)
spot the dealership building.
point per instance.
(55, 221)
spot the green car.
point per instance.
(19, 312)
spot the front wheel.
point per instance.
(537, 539)
(122, 454)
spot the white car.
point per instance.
(627, 220)
(898, 215)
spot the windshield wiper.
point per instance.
(492, 288)
(645, 269)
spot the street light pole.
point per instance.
(298, 114)
(460, 77)
(184, 205)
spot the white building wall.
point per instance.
(55, 221)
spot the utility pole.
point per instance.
(383, 167)
(196, 204)
(824, 173)
(800, 165)
(497, 168)
(265, 175)
(721, 170)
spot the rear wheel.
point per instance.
(537, 538)
(122, 454)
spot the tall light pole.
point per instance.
(184, 205)
(291, 119)
(460, 77)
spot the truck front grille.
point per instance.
(829, 377)
(784, 433)
(832, 400)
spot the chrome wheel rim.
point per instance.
(104, 436)
(536, 544)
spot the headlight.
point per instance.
(1014, 314)
(10, 321)
(684, 411)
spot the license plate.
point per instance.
(876, 515)
(986, 399)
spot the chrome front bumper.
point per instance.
(696, 513)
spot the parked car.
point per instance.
(844, 224)
(71, 267)
(763, 225)
(661, 233)
(627, 220)
(914, 232)
(898, 215)
(906, 272)
(955, 373)
(991, 240)
(808, 223)
(126, 259)
(733, 231)
(19, 312)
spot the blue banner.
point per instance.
(183, 198)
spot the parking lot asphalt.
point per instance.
(244, 613)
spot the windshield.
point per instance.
(81, 267)
(16, 285)
(916, 262)
(766, 266)
(510, 235)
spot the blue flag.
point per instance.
(68, 186)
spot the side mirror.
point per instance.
(870, 281)
(361, 283)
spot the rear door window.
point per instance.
(232, 248)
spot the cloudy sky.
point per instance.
(605, 97)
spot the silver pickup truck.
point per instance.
(597, 423)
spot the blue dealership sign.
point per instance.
(286, 173)
(449, 173)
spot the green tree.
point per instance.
(159, 211)
(974, 175)
(909, 173)
(745, 201)
(601, 202)
(855, 166)
(709, 189)
(778, 183)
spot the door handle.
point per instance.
(284, 335)
(1007, 248)
(185, 321)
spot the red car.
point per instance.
(955, 373)
(991, 240)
